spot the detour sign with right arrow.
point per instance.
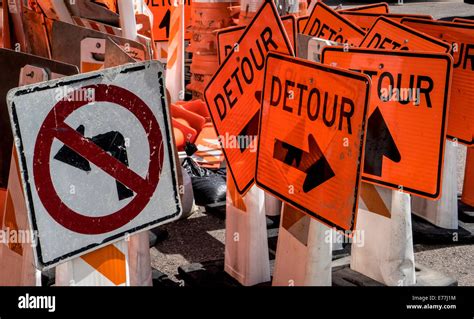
(407, 119)
(311, 137)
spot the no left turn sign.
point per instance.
(96, 158)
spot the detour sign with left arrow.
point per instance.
(233, 95)
(311, 137)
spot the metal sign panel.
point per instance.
(234, 93)
(390, 35)
(407, 119)
(311, 137)
(325, 23)
(461, 37)
(96, 158)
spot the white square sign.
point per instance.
(96, 158)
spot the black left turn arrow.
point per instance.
(112, 142)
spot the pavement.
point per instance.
(201, 237)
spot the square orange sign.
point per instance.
(311, 137)
(366, 20)
(406, 126)
(460, 36)
(325, 23)
(162, 17)
(390, 35)
(228, 38)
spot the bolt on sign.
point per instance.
(379, 8)
(227, 38)
(390, 35)
(460, 36)
(96, 158)
(161, 10)
(325, 23)
(366, 20)
(311, 137)
(406, 128)
(234, 93)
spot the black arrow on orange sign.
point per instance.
(249, 133)
(313, 163)
(379, 143)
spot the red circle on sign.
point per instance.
(55, 127)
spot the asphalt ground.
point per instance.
(201, 237)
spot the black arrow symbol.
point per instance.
(313, 163)
(165, 23)
(249, 133)
(379, 143)
(112, 142)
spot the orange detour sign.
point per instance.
(325, 23)
(311, 137)
(461, 37)
(366, 20)
(380, 8)
(227, 38)
(390, 35)
(161, 10)
(406, 126)
(301, 23)
(233, 94)
(289, 22)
